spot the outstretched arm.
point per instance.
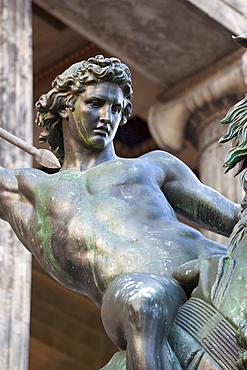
(198, 203)
(8, 192)
(17, 200)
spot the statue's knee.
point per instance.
(137, 302)
(149, 304)
(141, 297)
(139, 292)
(133, 291)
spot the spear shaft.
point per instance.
(43, 156)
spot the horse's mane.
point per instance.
(237, 130)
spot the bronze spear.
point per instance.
(43, 156)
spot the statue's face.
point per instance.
(97, 114)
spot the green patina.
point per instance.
(118, 361)
(86, 139)
(44, 233)
(91, 248)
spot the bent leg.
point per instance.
(138, 311)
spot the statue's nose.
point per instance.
(106, 115)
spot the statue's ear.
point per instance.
(64, 114)
(126, 113)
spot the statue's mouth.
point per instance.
(102, 130)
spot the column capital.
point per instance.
(203, 126)
(168, 121)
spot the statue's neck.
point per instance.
(82, 159)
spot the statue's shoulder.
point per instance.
(28, 178)
(160, 157)
(29, 173)
(12, 178)
(170, 166)
(18, 183)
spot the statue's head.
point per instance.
(69, 85)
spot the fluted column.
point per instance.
(15, 112)
(195, 116)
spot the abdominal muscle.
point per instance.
(88, 265)
(158, 250)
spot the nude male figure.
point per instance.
(106, 226)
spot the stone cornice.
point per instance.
(167, 121)
(70, 59)
(202, 77)
(231, 14)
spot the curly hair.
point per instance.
(71, 83)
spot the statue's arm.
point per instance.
(9, 192)
(198, 203)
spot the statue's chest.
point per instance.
(113, 175)
(104, 177)
(80, 192)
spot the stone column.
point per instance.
(16, 117)
(196, 116)
(204, 130)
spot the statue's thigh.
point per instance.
(133, 300)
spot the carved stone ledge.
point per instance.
(168, 121)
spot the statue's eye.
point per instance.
(95, 103)
(116, 108)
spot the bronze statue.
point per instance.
(106, 226)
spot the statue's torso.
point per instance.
(89, 227)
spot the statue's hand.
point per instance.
(187, 275)
(196, 272)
